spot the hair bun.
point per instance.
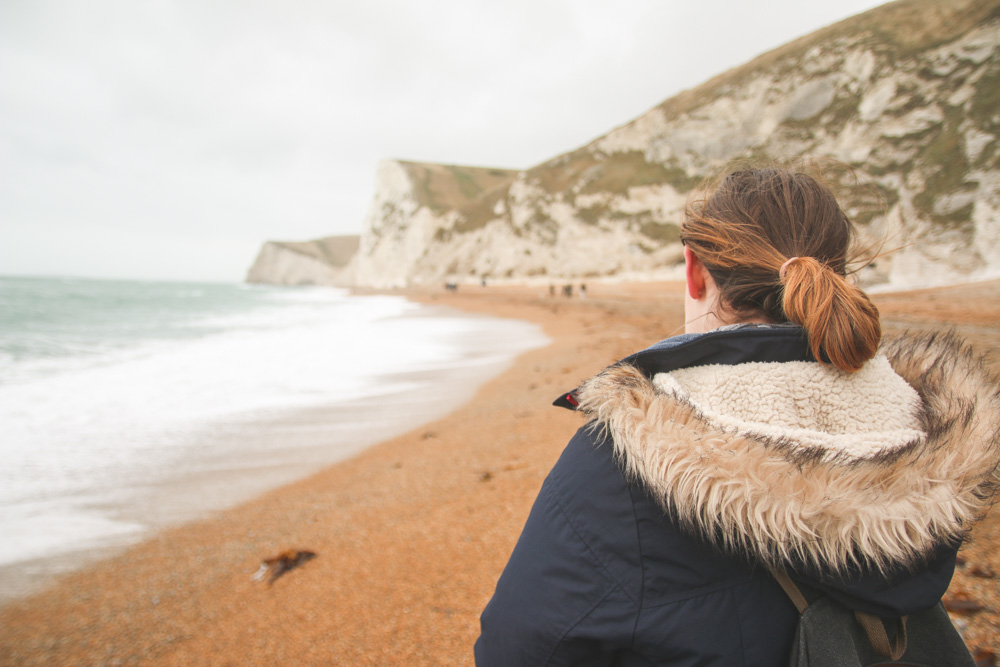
(840, 320)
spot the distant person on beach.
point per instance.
(779, 432)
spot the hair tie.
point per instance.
(781, 271)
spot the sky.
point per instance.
(167, 140)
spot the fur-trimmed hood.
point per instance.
(797, 463)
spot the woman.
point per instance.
(775, 432)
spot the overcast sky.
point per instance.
(168, 139)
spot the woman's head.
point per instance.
(746, 228)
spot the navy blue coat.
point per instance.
(601, 575)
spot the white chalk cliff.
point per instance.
(907, 94)
(330, 261)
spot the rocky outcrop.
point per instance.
(330, 261)
(410, 238)
(906, 95)
(413, 203)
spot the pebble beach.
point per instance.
(411, 534)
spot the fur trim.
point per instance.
(781, 503)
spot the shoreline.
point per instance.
(235, 459)
(411, 533)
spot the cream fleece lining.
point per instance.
(853, 415)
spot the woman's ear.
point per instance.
(694, 273)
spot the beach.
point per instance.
(412, 533)
(192, 398)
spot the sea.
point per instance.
(127, 406)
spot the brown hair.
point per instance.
(751, 225)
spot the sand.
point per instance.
(412, 533)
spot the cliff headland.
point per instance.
(906, 95)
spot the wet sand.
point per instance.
(412, 533)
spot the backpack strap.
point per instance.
(791, 590)
(872, 624)
(875, 629)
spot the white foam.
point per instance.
(32, 535)
(75, 430)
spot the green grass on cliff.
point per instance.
(443, 187)
(621, 171)
(898, 30)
